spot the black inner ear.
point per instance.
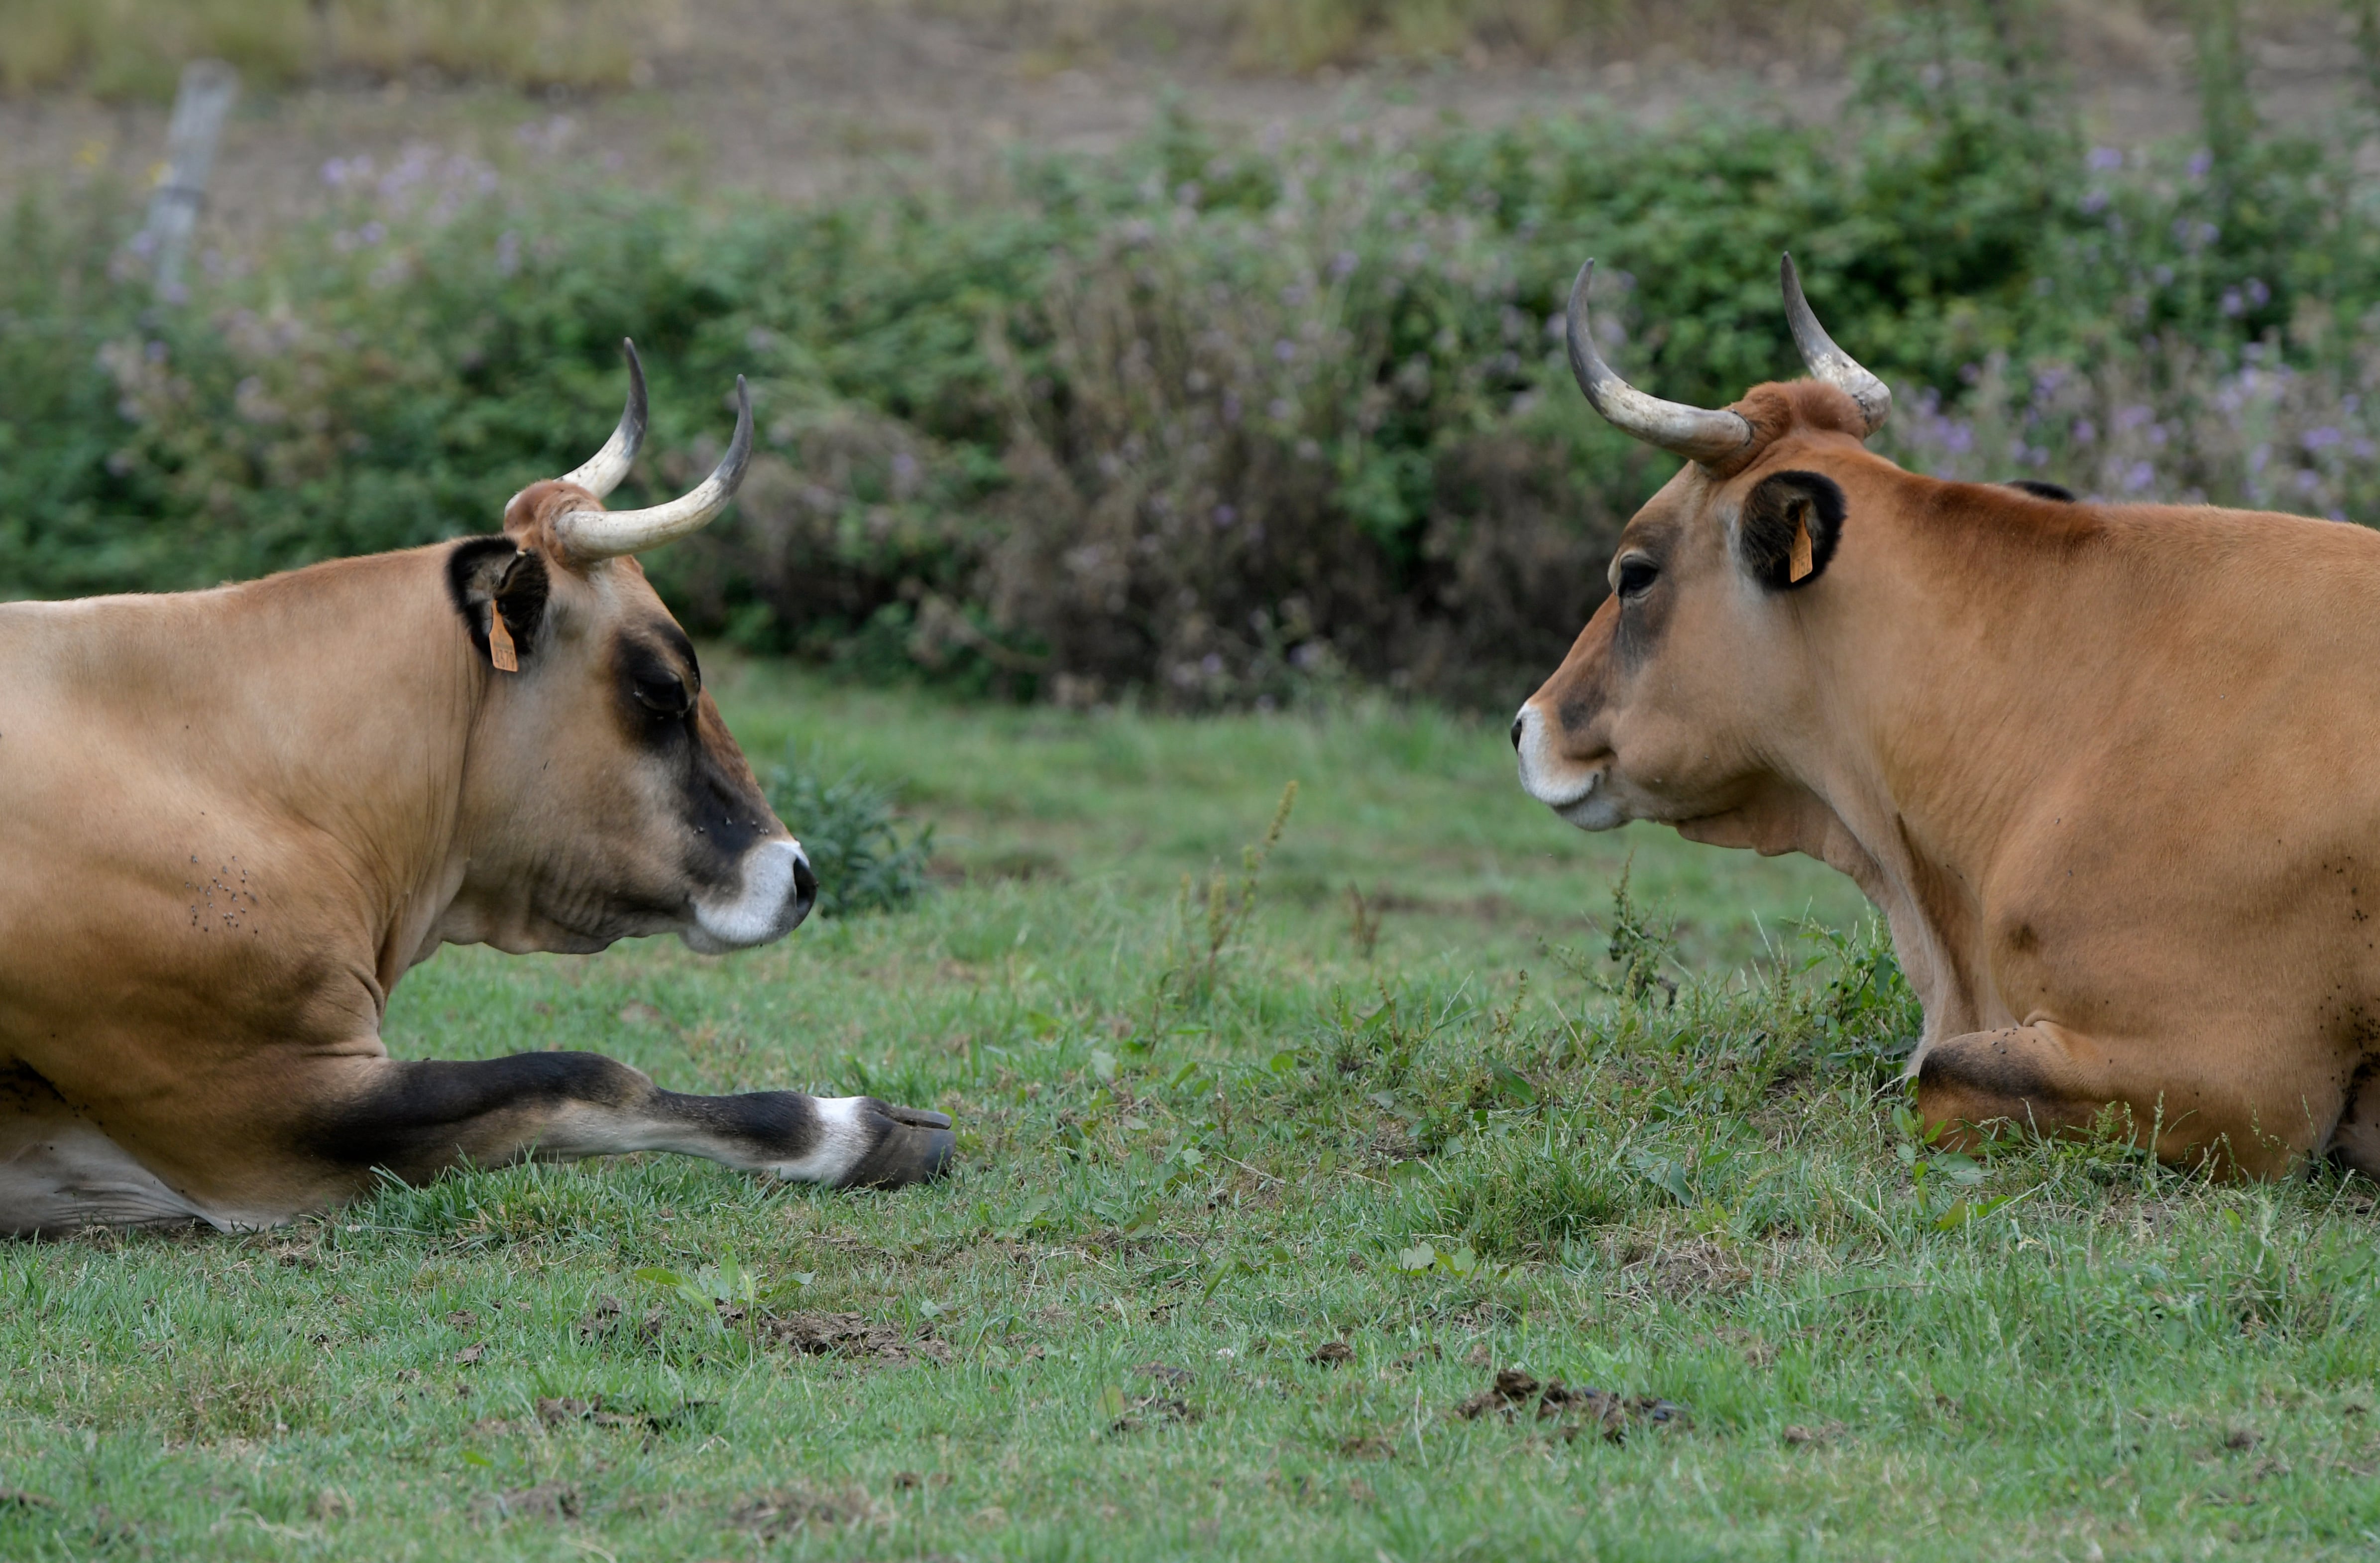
(2041, 490)
(1781, 506)
(486, 570)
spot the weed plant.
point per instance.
(864, 859)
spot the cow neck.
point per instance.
(1960, 691)
(364, 712)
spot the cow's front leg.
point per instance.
(415, 1119)
(2049, 1079)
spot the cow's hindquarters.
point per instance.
(59, 1172)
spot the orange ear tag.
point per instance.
(1801, 566)
(500, 641)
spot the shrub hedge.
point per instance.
(1209, 419)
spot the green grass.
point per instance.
(1705, 1200)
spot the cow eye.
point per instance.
(1636, 576)
(664, 695)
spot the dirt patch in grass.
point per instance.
(1574, 1411)
(1683, 1272)
(547, 1500)
(850, 1335)
(785, 1511)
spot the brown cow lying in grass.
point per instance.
(2106, 768)
(231, 820)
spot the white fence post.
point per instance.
(200, 105)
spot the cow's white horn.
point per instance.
(1828, 363)
(607, 534)
(1692, 432)
(602, 472)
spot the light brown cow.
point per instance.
(231, 820)
(2106, 768)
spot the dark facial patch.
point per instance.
(658, 683)
(485, 569)
(2040, 490)
(1781, 506)
(661, 707)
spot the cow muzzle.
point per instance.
(778, 891)
(1580, 791)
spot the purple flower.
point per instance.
(2308, 480)
(2232, 303)
(2085, 432)
(2202, 163)
(2322, 438)
(2104, 158)
(1342, 264)
(2138, 477)
(1284, 350)
(2094, 202)
(1225, 515)
(2258, 294)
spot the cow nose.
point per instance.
(805, 884)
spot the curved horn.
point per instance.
(602, 472)
(1826, 361)
(606, 534)
(1692, 432)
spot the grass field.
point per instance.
(1238, 1233)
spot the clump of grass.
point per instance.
(1532, 1198)
(865, 859)
(1212, 918)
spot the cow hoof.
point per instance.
(915, 1147)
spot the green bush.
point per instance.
(1207, 419)
(856, 844)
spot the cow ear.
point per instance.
(494, 582)
(1791, 522)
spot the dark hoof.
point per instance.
(915, 1147)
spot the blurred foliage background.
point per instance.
(1209, 420)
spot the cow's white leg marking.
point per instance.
(844, 1141)
(845, 1138)
(767, 907)
(60, 1172)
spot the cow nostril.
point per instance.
(1518, 723)
(805, 882)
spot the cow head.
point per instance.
(1681, 697)
(604, 797)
